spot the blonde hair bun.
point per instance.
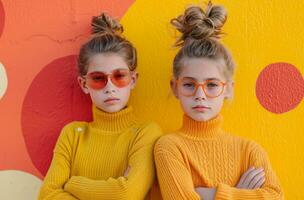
(198, 24)
(104, 24)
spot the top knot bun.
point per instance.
(104, 24)
(198, 24)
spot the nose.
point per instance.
(200, 94)
(110, 87)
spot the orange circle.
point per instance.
(280, 87)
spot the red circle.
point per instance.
(280, 87)
(2, 18)
(53, 99)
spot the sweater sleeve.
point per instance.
(139, 180)
(59, 171)
(173, 175)
(269, 190)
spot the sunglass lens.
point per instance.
(97, 80)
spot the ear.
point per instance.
(134, 77)
(82, 84)
(229, 91)
(173, 85)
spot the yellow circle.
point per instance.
(18, 185)
(3, 81)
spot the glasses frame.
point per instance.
(110, 77)
(202, 85)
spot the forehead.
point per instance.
(106, 62)
(201, 69)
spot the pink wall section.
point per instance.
(40, 40)
(2, 18)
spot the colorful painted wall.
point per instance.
(39, 41)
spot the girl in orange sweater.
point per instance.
(200, 160)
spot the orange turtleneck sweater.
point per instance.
(201, 154)
(90, 159)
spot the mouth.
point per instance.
(200, 108)
(111, 100)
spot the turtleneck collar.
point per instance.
(202, 129)
(113, 122)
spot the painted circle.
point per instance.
(280, 87)
(53, 99)
(3, 80)
(19, 185)
(2, 17)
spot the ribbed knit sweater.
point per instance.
(201, 154)
(90, 159)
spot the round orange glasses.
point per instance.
(98, 80)
(212, 88)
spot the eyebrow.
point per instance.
(112, 70)
(208, 79)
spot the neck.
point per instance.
(202, 129)
(113, 122)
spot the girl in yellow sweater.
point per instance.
(201, 161)
(112, 156)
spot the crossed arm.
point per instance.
(176, 181)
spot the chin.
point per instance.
(201, 117)
(111, 108)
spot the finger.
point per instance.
(240, 183)
(245, 175)
(250, 176)
(260, 183)
(256, 179)
(127, 171)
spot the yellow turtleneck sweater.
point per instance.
(90, 159)
(201, 154)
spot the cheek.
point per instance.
(96, 95)
(186, 102)
(217, 103)
(124, 93)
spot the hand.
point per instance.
(252, 179)
(206, 193)
(126, 173)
